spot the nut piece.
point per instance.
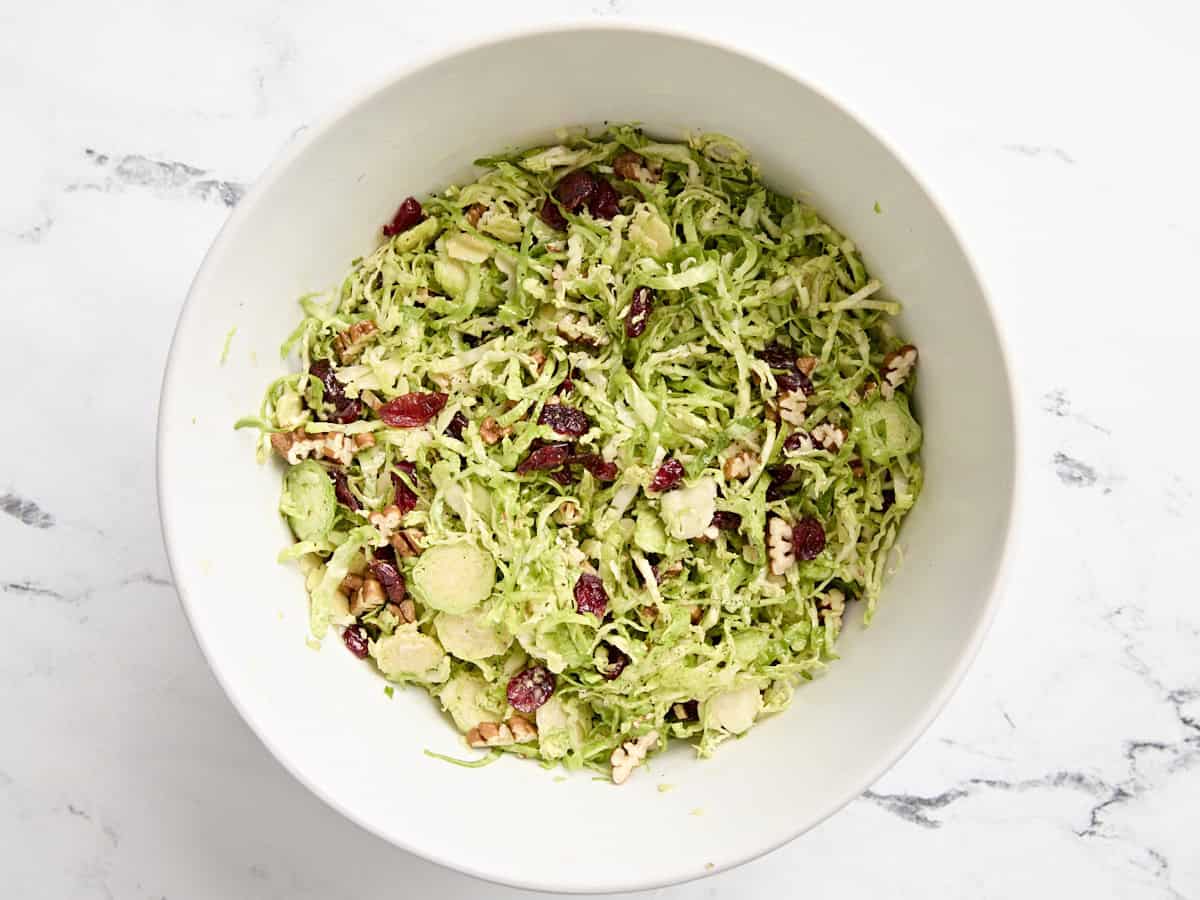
(351, 342)
(350, 584)
(897, 366)
(492, 432)
(371, 400)
(523, 731)
(630, 755)
(407, 542)
(832, 605)
(568, 513)
(539, 359)
(780, 553)
(364, 440)
(807, 364)
(299, 444)
(387, 520)
(474, 211)
(405, 611)
(579, 329)
(857, 469)
(632, 167)
(697, 615)
(829, 437)
(792, 406)
(368, 597)
(739, 465)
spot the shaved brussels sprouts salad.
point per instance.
(599, 449)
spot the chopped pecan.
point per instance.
(407, 542)
(897, 366)
(807, 364)
(523, 731)
(351, 342)
(630, 755)
(492, 432)
(350, 584)
(363, 440)
(632, 167)
(792, 407)
(568, 513)
(739, 465)
(386, 520)
(474, 211)
(367, 598)
(780, 551)
(829, 437)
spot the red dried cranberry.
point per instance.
(565, 419)
(530, 689)
(406, 499)
(690, 710)
(590, 595)
(550, 456)
(797, 442)
(808, 538)
(342, 409)
(563, 476)
(617, 661)
(603, 204)
(668, 476)
(388, 574)
(355, 639)
(457, 426)
(552, 216)
(412, 410)
(565, 387)
(778, 356)
(779, 487)
(726, 521)
(575, 189)
(408, 215)
(792, 382)
(594, 463)
(640, 307)
(341, 489)
(348, 412)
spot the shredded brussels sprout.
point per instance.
(598, 448)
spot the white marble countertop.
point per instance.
(1064, 142)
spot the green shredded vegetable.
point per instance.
(567, 609)
(225, 346)
(485, 760)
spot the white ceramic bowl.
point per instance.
(326, 717)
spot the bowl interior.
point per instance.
(325, 715)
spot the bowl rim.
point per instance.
(297, 144)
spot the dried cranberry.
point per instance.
(565, 387)
(388, 574)
(594, 463)
(530, 689)
(412, 410)
(552, 216)
(333, 392)
(640, 307)
(797, 442)
(408, 215)
(348, 412)
(793, 382)
(565, 419)
(590, 595)
(726, 521)
(457, 425)
(575, 189)
(341, 489)
(808, 538)
(690, 710)
(549, 456)
(603, 203)
(563, 476)
(405, 499)
(779, 487)
(355, 639)
(668, 476)
(778, 356)
(617, 661)
(343, 410)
